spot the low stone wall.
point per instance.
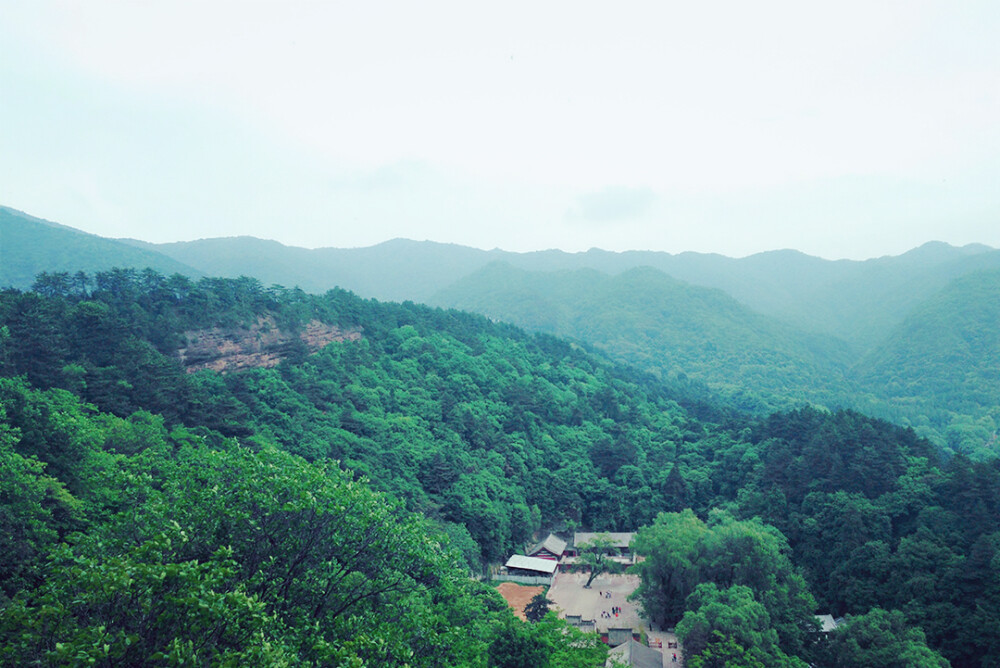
(524, 579)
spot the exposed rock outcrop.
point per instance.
(263, 344)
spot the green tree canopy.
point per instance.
(688, 563)
(880, 639)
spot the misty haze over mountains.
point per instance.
(765, 332)
(808, 291)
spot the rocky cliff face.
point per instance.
(263, 344)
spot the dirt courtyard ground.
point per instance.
(518, 596)
(606, 593)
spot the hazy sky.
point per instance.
(842, 129)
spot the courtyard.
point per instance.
(607, 593)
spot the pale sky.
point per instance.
(841, 129)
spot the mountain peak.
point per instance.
(940, 251)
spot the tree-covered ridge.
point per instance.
(654, 322)
(944, 362)
(936, 372)
(492, 433)
(488, 429)
(857, 301)
(395, 270)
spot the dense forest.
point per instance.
(328, 506)
(128, 544)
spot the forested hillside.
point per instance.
(943, 363)
(666, 326)
(859, 302)
(488, 427)
(205, 514)
(935, 372)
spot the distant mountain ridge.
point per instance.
(763, 330)
(396, 270)
(29, 246)
(858, 301)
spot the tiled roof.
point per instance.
(553, 544)
(532, 563)
(617, 539)
(637, 655)
(827, 623)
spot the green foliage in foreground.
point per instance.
(546, 643)
(736, 615)
(187, 553)
(721, 651)
(537, 607)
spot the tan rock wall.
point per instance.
(263, 344)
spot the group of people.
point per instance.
(615, 611)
